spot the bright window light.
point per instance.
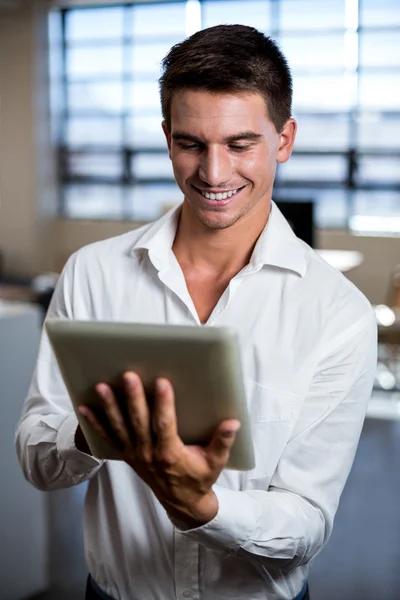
(193, 17)
(374, 225)
(351, 50)
(386, 379)
(384, 315)
(351, 14)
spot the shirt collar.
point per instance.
(277, 246)
(158, 238)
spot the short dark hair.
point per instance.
(229, 58)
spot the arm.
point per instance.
(45, 435)
(289, 523)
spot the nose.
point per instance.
(215, 167)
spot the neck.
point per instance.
(217, 251)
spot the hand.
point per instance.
(181, 476)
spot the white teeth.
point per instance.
(218, 196)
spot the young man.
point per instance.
(169, 521)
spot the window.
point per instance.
(345, 61)
(255, 13)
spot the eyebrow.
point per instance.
(250, 136)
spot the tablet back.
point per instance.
(202, 363)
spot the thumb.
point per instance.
(222, 441)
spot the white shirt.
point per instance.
(308, 342)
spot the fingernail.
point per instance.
(228, 434)
(101, 390)
(161, 386)
(234, 429)
(130, 381)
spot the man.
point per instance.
(169, 521)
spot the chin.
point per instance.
(217, 221)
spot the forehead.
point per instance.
(208, 114)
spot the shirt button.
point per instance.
(187, 594)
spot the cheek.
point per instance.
(256, 167)
(183, 165)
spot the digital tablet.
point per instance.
(202, 363)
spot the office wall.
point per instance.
(17, 164)
(32, 238)
(27, 185)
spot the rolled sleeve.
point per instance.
(232, 526)
(68, 452)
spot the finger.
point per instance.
(91, 418)
(221, 443)
(139, 414)
(113, 414)
(164, 420)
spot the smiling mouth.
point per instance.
(218, 195)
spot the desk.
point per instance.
(26, 294)
(17, 293)
(344, 260)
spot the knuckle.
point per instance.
(162, 423)
(219, 464)
(136, 422)
(120, 431)
(164, 458)
(145, 456)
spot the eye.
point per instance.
(186, 146)
(239, 147)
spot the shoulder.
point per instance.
(340, 305)
(113, 247)
(95, 275)
(105, 255)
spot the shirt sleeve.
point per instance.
(45, 434)
(288, 524)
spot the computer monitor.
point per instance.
(300, 215)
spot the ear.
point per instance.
(167, 134)
(286, 141)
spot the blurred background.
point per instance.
(82, 157)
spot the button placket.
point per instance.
(186, 567)
(194, 551)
